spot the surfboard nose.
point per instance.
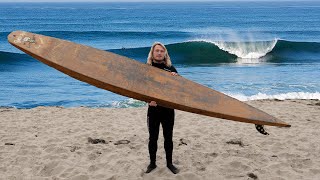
(15, 37)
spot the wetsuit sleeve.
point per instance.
(173, 69)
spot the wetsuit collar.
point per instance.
(156, 62)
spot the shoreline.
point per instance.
(52, 142)
(97, 107)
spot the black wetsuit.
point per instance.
(160, 115)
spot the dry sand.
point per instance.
(52, 143)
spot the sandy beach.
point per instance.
(52, 143)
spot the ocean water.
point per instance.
(248, 50)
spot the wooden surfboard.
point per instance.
(137, 80)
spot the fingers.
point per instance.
(153, 103)
(174, 73)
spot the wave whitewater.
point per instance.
(205, 52)
(260, 96)
(283, 96)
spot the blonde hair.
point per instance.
(167, 59)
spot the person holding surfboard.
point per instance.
(159, 57)
(95, 67)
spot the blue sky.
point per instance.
(137, 0)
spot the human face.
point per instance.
(158, 53)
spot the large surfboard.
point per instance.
(137, 80)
